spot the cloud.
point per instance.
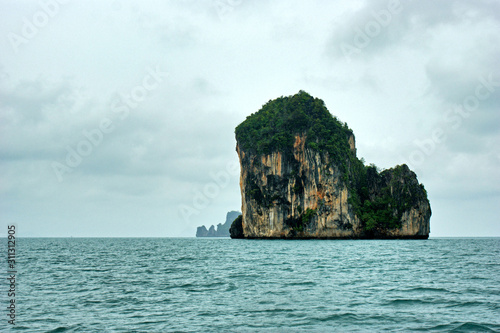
(32, 114)
(224, 63)
(380, 25)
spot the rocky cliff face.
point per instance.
(303, 192)
(277, 189)
(303, 195)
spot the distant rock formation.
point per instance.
(222, 229)
(300, 178)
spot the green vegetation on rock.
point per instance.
(274, 127)
(392, 192)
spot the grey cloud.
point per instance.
(29, 98)
(32, 117)
(411, 24)
(167, 142)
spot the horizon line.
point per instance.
(163, 237)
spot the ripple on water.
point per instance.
(213, 285)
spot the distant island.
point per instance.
(222, 229)
(300, 178)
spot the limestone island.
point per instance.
(300, 179)
(222, 229)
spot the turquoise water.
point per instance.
(224, 285)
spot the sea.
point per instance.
(225, 285)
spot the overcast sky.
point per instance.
(117, 117)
